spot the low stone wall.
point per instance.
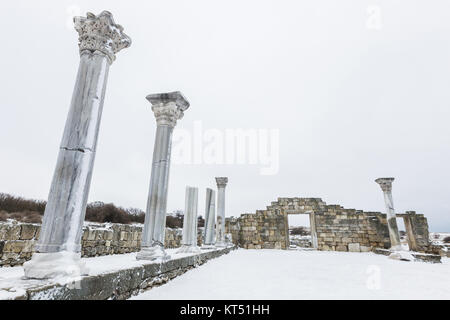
(115, 284)
(17, 240)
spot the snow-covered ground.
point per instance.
(280, 274)
(13, 283)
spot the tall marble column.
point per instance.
(59, 245)
(220, 225)
(386, 186)
(168, 108)
(210, 217)
(190, 220)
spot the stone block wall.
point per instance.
(17, 240)
(351, 230)
(264, 230)
(333, 227)
(232, 227)
(417, 231)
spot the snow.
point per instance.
(13, 283)
(293, 274)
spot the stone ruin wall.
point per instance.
(336, 228)
(17, 240)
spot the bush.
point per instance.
(11, 203)
(302, 231)
(31, 211)
(200, 222)
(447, 240)
(174, 222)
(3, 215)
(24, 216)
(101, 212)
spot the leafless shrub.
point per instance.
(302, 231)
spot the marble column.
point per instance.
(168, 108)
(220, 225)
(210, 217)
(189, 240)
(386, 186)
(59, 245)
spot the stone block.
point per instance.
(354, 247)
(28, 231)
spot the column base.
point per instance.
(221, 244)
(401, 255)
(208, 247)
(55, 264)
(152, 253)
(188, 249)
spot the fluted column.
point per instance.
(210, 217)
(189, 240)
(220, 225)
(59, 245)
(394, 236)
(168, 108)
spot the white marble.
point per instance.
(66, 207)
(101, 33)
(189, 240)
(220, 225)
(167, 108)
(394, 235)
(210, 219)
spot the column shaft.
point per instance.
(167, 108)
(189, 240)
(159, 181)
(66, 207)
(394, 235)
(58, 249)
(220, 225)
(210, 216)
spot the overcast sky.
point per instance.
(357, 89)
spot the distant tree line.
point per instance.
(302, 231)
(31, 211)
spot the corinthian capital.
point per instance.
(221, 182)
(101, 33)
(385, 183)
(168, 107)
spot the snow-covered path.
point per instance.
(279, 274)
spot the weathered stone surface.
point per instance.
(336, 228)
(97, 240)
(122, 284)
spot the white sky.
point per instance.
(352, 103)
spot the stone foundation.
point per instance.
(17, 240)
(114, 284)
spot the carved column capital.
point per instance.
(168, 107)
(221, 182)
(101, 33)
(385, 184)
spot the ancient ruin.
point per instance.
(210, 219)
(168, 109)
(190, 221)
(59, 246)
(333, 227)
(220, 223)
